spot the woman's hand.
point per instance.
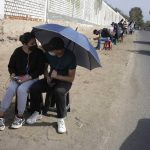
(12, 76)
(24, 79)
(68, 78)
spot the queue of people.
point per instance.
(113, 34)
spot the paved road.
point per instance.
(131, 129)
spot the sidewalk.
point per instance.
(92, 96)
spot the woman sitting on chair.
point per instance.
(25, 66)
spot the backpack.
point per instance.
(105, 32)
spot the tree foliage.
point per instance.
(137, 15)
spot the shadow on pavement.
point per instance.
(140, 138)
(142, 42)
(142, 52)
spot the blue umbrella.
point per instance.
(85, 53)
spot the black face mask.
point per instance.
(32, 48)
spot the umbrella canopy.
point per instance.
(85, 53)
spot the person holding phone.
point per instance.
(25, 66)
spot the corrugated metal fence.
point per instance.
(92, 11)
(87, 10)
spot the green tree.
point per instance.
(137, 15)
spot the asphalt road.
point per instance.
(131, 125)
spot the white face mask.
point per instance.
(51, 53)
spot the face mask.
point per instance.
(32, 48)
(51, 53)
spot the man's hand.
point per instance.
(54, 74)
(49, 79)
(68, 78)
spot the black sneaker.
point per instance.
(2, 124)
(18, 122)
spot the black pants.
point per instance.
(59, 90)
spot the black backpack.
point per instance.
(105, 32)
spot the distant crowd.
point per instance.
(113, 34)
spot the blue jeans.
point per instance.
(22, 92)
(100, 40)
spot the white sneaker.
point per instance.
(2, 124)
(18, 123)
(34, 117)
(61, 126)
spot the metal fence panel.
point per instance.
(1, 9)
(63, 7)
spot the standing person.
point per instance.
(131, 27)
(25, 66)
(113, 33)
(122, 30)
(125, 26)
(58, 82)
(121, 24)
(116, 31)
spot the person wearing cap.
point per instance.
(58, 81)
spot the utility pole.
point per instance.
(46, 11)
(2, 3)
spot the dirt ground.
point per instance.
(92, 95)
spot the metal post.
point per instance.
(73, 8)
(1, 9)
(83, 15)
(46, 11)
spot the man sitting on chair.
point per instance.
(58, 82)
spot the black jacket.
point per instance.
(21, 63)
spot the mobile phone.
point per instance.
(16, 78)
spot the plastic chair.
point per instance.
(50, 103)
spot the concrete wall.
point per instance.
(1, 9)
(90, 11)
